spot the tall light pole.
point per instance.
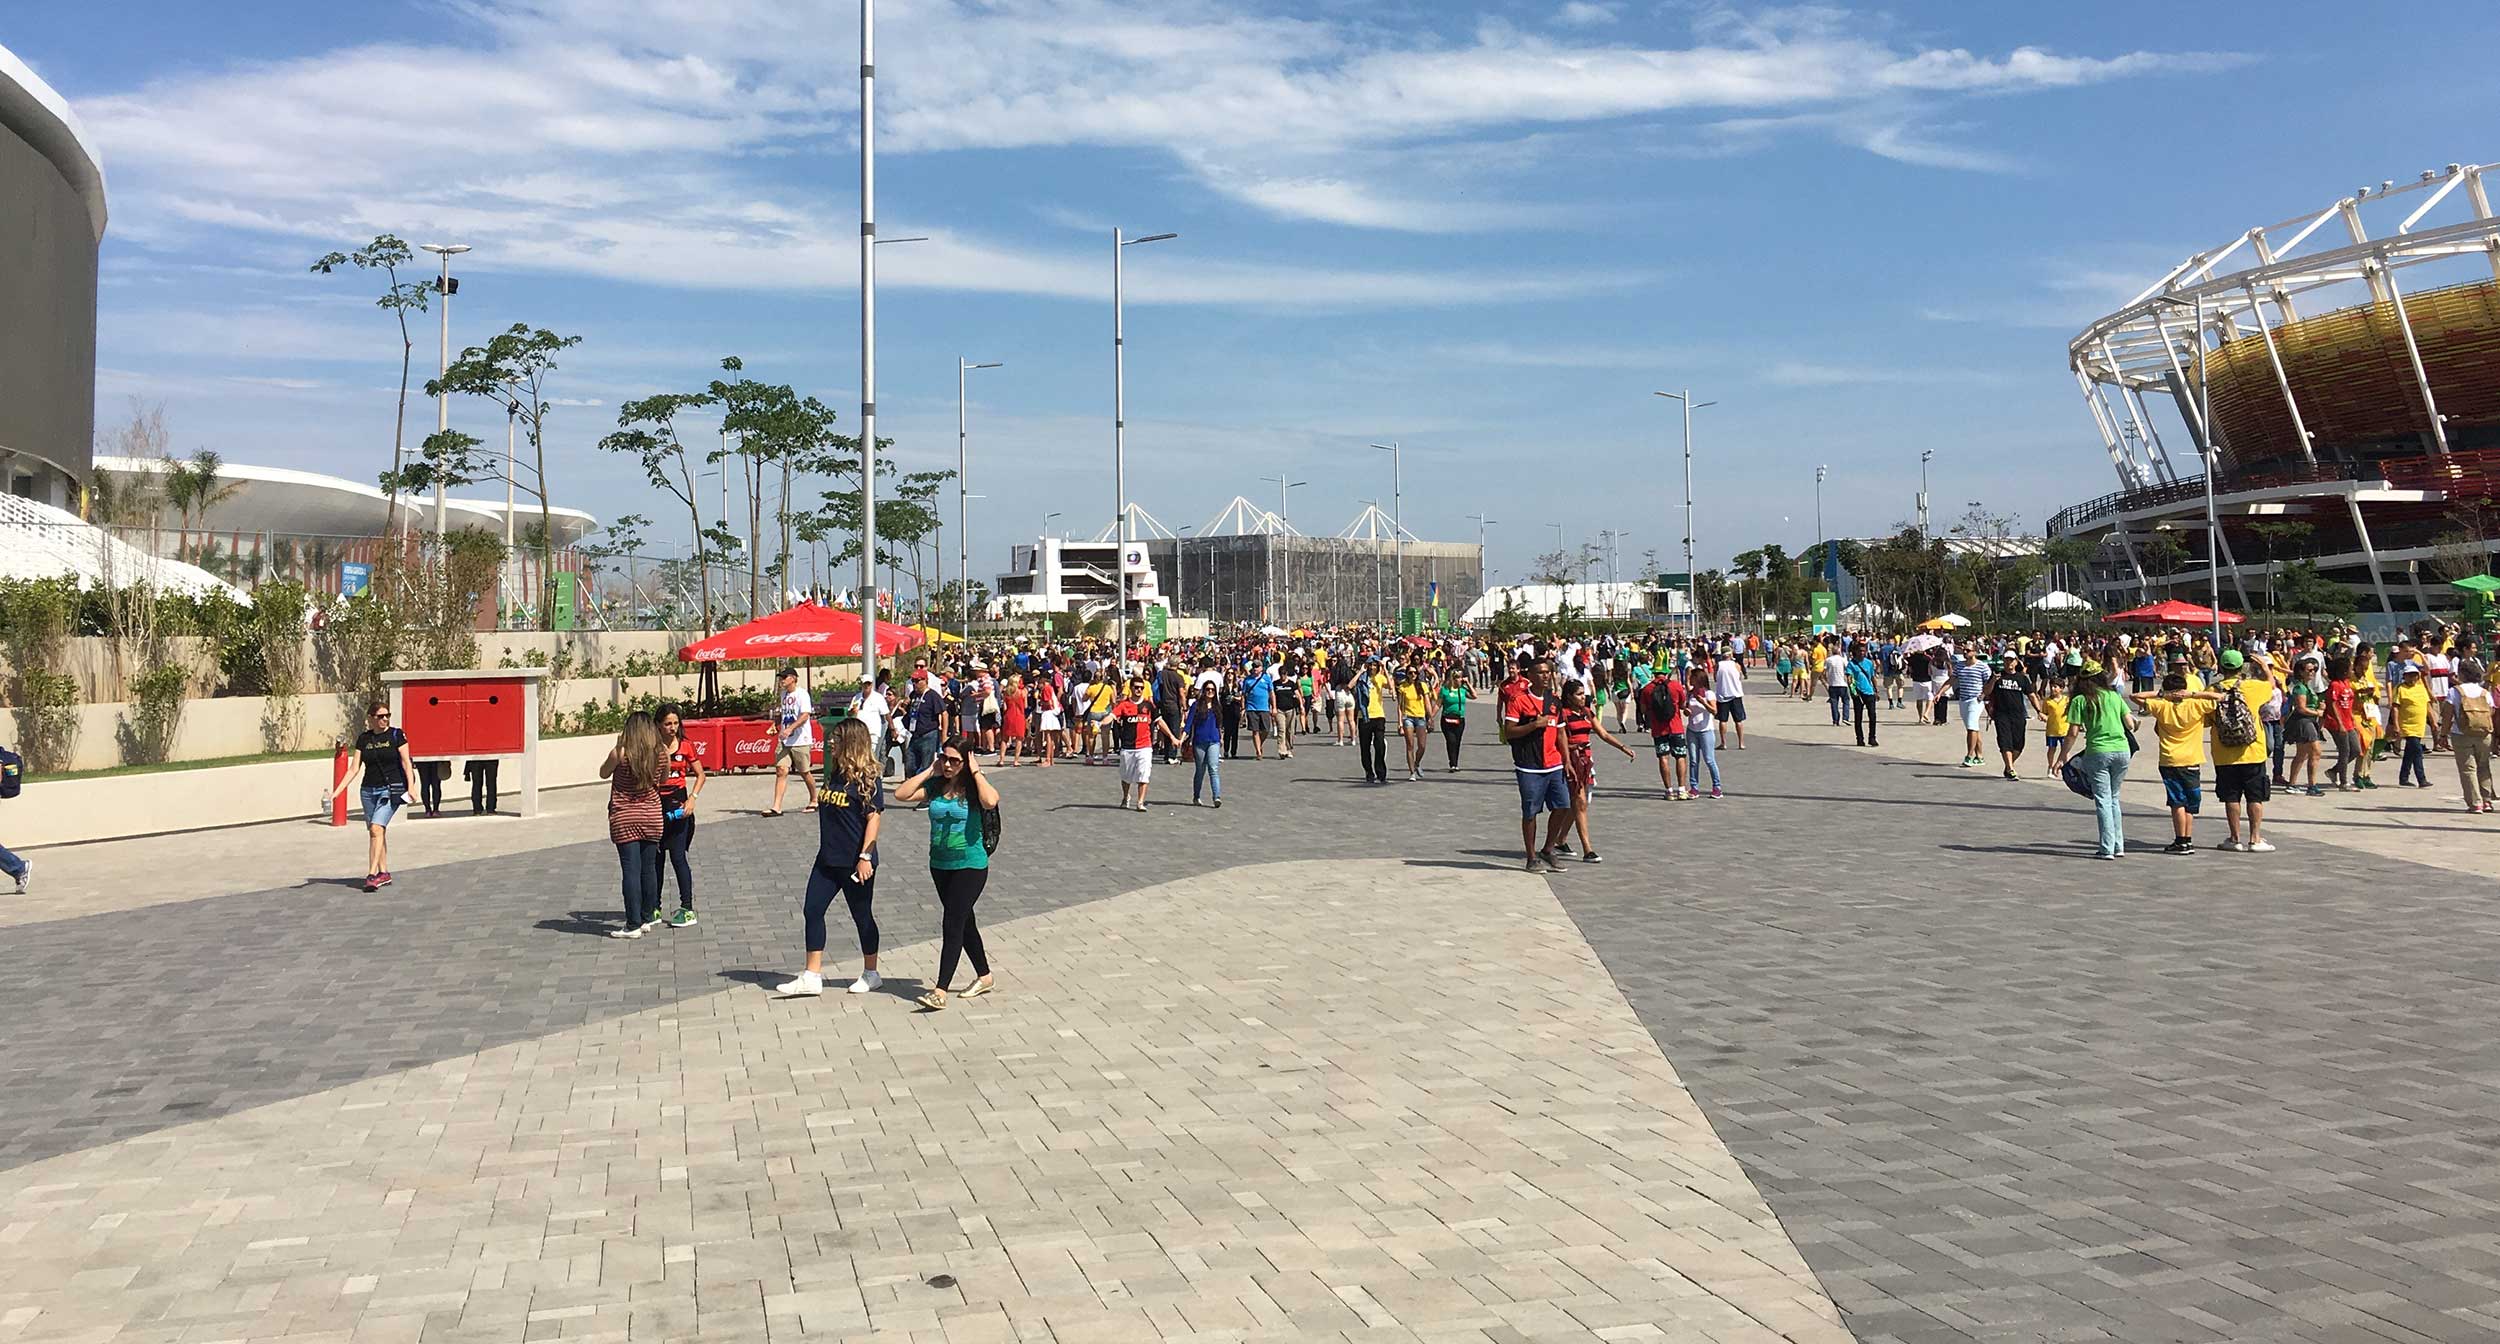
(963, 481)
(1284, 505)
(442, 399)
(1925, 456)
(1819, 540)
(1484, 572)
(2205, 444)
(1119, 425)
(1692, 607)
(1397, 518)
(868, 343)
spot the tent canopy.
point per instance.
(2172, 613)
(2059, 601)
(806, 630)
(2476, 583)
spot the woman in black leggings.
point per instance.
(680, 785)
(850, 806)
(961, 801)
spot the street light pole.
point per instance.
(1692, 605)
(963, 481)
(1119, 432)
(1397, 518)
(867, 343)
(1821, 542)
(1284, 504)
(2213, 459)
(1925, 456)
(442, 399)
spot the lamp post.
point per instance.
(1484, 572)
(1925, 456)
(963, 481)
(1692, 606)
(868, 241)
(442, 399)
(1180, 572)
(1821, 543)
(2205, 445)
(1397, 517)
(1119, 427)
(1284, 516)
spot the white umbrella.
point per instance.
(1915, 643)
(2060, 601)
(1271, 630)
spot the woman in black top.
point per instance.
(384, 768)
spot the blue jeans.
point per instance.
(2274, 745)
(639, 863)
(2106, 770)
(1209, 778)
(1840, 703)
(920, 753)
(1704, 749)
(2413, 763)
(11, 865)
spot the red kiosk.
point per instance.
(474, 714)
(808, 630)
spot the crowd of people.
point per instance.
(2260, 708)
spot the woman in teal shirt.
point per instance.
(959, 858)
(1454, 698)
(2098, 747)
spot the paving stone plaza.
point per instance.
(1868, 1050)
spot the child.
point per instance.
(2413, 721)
(2053, 717)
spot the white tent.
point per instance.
(1867, 611)
(38, 541)
(2059, 601)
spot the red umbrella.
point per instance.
(2173, 613)
(806, 629)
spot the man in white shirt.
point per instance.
(1836, 682)
(2437, 668)
(872, 709)
(1727, 685)
(796, 724)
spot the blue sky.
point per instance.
(1489, 231)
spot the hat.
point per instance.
(2232, 659)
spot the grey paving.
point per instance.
(1994, 1090)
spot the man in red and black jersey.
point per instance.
(1536, 759)
(1135, 728)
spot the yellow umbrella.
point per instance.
(937, 636)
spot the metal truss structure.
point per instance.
(2326, 365)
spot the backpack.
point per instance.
(1666, 708)
(2234, 725)
(2473, 720)
(13, 773)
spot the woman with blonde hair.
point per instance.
(850, 802)
(634, 769)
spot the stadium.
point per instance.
(2348, 361)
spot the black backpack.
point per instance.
(12, 773)
(993, 827)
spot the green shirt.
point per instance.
(1454, 701)
(2102, 718)
(955, 835)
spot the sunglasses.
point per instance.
(381, 713)
(950, 760)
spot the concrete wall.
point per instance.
(47, 310)
(231, 725)
(68, 811)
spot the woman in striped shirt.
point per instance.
(1577, 716)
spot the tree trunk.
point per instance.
(546, 528)
(755, 535)
(784, 513)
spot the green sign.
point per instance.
(1678, 581)
(1410, 620)
(1826, 610)
(568, 600)
(1157, 621)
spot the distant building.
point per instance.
(1595, 601)
(50, 230)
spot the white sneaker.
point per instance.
(867, 982)
(2229, 846)
(25, 878)
(2258, 847)
(634, 932)
(806, 984)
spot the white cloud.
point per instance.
(602, 135)
(1802, 373)
(1583, 14)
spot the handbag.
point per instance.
(2072, 773)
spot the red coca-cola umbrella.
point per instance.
(2173, 613)
(806, 630)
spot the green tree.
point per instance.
(2163, 554)
(2309, 593)
(646, 430)
(387, 253)
(775, 430)
(510, 370)
(2068, 557)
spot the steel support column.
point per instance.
(2369, 554)
(2413, 353)
(2300, 428)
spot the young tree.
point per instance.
(776, 430)
(1551, 567)
(647, 432)
(387, 253)
(625, 539)
(511, 370)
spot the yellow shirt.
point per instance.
(2257, 691)
(2054, 706)
(1413, 702)
(2181, 726)
(1383, 691)
(2413, 709)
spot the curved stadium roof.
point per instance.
(308, 503)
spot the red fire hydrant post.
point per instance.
(338, 781)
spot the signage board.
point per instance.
(354, 578)
(1825, 607)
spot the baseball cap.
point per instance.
(2232, 659)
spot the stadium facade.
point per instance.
(52, 217)
(2348, 363)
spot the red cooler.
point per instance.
(746, 744)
